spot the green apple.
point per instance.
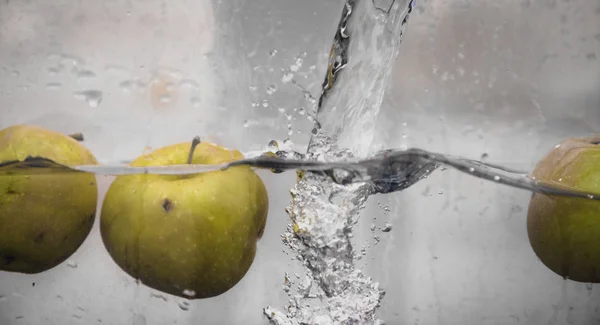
(564, 232)
(191, 236)
(43, 218)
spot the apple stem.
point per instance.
(195, 142)
(77, 136)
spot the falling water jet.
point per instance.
(324, 212)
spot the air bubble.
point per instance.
(271, 89)
(387, 227)
(189, 293)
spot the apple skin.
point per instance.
(44, 219)
(565, 232)
(190, 233)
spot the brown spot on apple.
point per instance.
(167, 205)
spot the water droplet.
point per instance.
(441, 192)
(497, 178)
(273, 145)
(557, 146)
(126, 85)
(128, 13)
(139, 319)
(387, 227)
(15, 73)
(377, 239)
(76, 316)
(184, 305)
(250, 122)
(560, 179)
(85, 74)
(165, 98)
(281, 110)
(53, 71)
(195, 101)
(265, 103)
(72, 264)
(271, 89)
(302, 111)
(287, 77)
(53, 85)
(372, 227)
(273, 53)
(2, 298)
(159, 296)
(590, 196)
(589, 286)
(484, 156)
(92, 97)
(189, 83)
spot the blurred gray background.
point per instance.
(505, 80)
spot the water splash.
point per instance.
(326, 206)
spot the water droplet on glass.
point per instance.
(53, 85)
(302, 111)
(250, 122)
(139, 319)
(377, 239)
(271, 89)
(53, 71)
(92, 97)
(2, 298)
(372, 227)
(85, 74)
(273, 145)
(265, 103)
(441, 192)
(497, 178)
(189, 83)
(165, 98)
(72, 264)
(589, 286)
(281, 110)
(195, 101)
(560, 179)
(15, 73)
(484, 156)
(287, 77)
(159, 296)
(128, 13)
(591, 197)
(557, 146)
(126, 85)
(387, 227)
(273, 52)
(184, 305)
(76, 316)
